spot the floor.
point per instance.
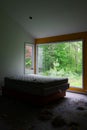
(69, 113)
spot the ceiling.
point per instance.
(49, 17)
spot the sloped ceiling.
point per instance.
(49, 17)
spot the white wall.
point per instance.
(12, 38)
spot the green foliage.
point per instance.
(62, 59)
(28, 62)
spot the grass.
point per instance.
(75, 80)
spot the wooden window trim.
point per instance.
(68, 37)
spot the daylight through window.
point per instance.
(62, 59)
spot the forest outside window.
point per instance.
(61, 59)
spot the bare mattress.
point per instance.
(36, 84)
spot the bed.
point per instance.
(35, 88)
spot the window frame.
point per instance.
(69, 37)
(32, 67)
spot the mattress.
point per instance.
(36, 84)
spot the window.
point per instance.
(61, 59)
(29, 58)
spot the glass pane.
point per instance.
(61, 60)
(29, 59)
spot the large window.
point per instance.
(29, 58)
(62, 59)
